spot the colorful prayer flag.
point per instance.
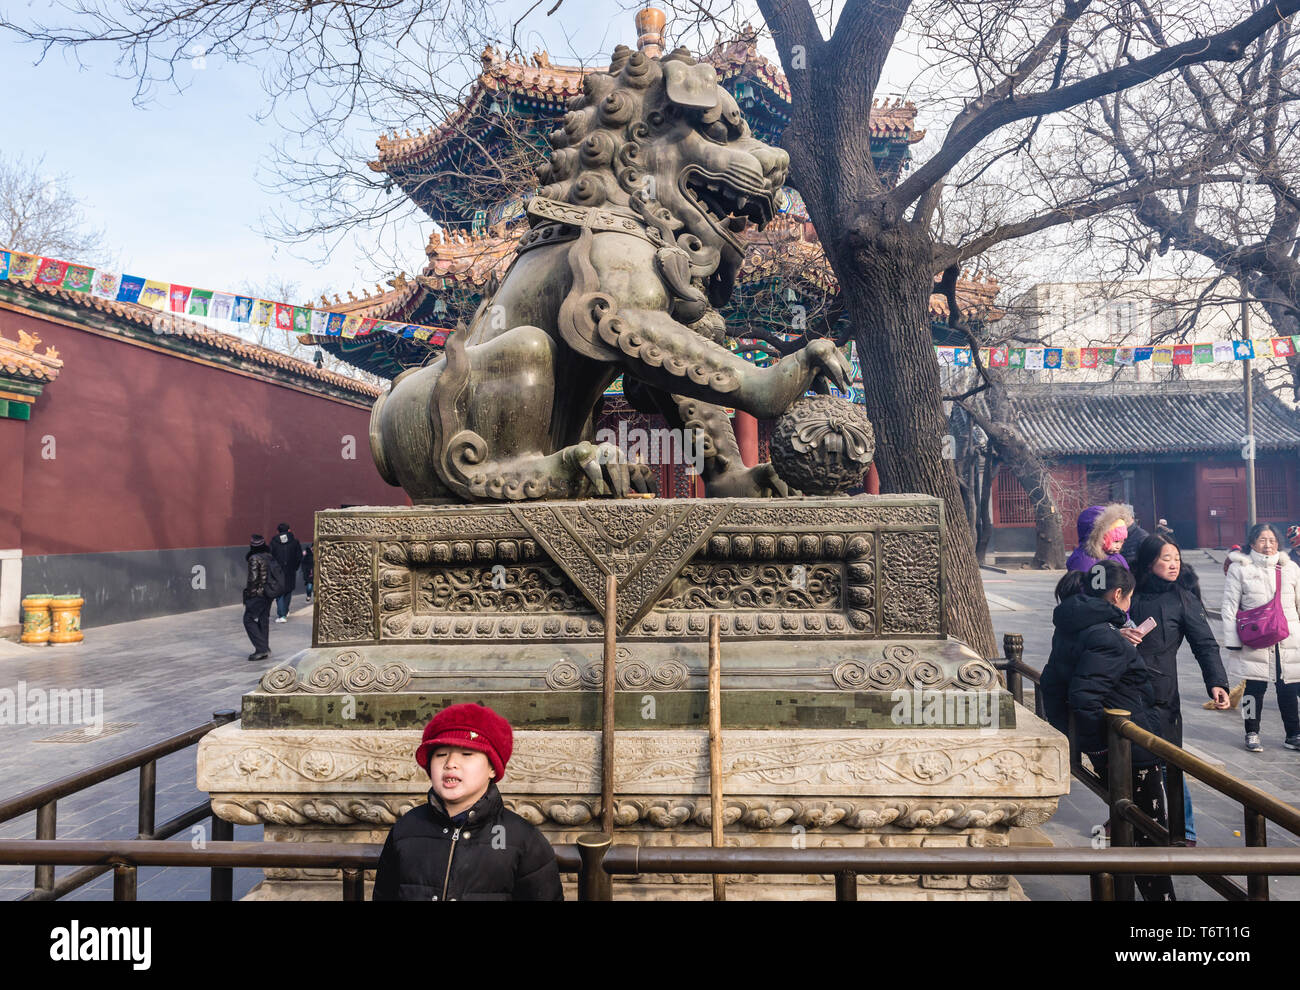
(283, 316)
(180, 297)
(1141, 354)
(960, 356)
(1243, 350)
(350, 325)
(1034, 358)
(1162, 355)
(262, 311)
(1088, 357)
(1203, 353)
(1263, 347)
(78, 278)
(1183, 354)
(335, 325)
(367, 325)
(4, 265)
(302, 319)
(1053, 357)
(998, 357)
(319, 321)
(50, 272)
(1105, 355)
(1223, 351)
(155, 294)
(222, 306)
(1017, 358)
(130, 288)
(22, 265)
(1282, 347)
(243, 309)
(200, 302)
(1124, 355)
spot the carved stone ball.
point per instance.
(822, 445)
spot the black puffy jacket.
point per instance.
(289, 553)
(1176, 606)
(488, 854)
(1092, 668)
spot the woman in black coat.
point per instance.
(1169, 592)
(1094, 666)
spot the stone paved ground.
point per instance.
(1022, 602)
(164, 675)
(169, 674)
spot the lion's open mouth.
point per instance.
(728, 206)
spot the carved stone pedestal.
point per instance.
(849, 716)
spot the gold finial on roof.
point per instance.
(337, 300)
(650, 23)
(351, 297)
(28, 341)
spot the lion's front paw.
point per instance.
(609, 471)
(760, 481)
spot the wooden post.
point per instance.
(607, 709)
(715, 746)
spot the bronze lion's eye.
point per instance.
(717, 131)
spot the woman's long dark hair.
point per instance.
(1103, 576)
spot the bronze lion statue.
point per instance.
(633, 243)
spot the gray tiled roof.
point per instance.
(1160, 418)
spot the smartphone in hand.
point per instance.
(1147, 625)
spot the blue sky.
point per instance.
(175, 184)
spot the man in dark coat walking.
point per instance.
(288, 551)
(257, 607)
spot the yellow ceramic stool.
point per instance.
(36, 620)
(65, 619)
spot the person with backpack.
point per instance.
(263, 574)
(286, 549)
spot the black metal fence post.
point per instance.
(1175, 785)
(223, 877)
(354, 883)
(1120, 765)
(846, 886)
(594, 884)
(124, 881)
(148, 798)
(46, 828)
(1013, 648)
(1256, 835)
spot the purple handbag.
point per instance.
(1260, 628)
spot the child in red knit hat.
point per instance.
(464, 844)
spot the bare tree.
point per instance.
(1006, 66)
(40, 215)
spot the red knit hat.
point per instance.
(475, 727)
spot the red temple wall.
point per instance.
(135, 448)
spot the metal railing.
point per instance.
(44, 801)
(1127, 820)
(596, 861)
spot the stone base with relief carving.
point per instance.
(850, 718)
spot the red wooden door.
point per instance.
(1220, 504)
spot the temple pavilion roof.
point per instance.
(471, 169)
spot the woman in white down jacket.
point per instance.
(1252, 582)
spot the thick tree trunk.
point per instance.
(887, 295)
